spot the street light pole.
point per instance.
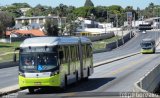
(117, 28)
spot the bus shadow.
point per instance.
(85, 85)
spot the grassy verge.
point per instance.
(8, 57)
(102, 44)
(7, 47)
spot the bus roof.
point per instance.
(148, 39)
(51, 41)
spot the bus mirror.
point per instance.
(14, 57)
(60, 54)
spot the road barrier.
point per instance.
(150, 82)
(101, 37)
(118, 43)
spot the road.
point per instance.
(118, 76)
(130, 47)
(115, 77)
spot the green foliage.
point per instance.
(116, 9)
(14, 9)
(51, 28)
(89, 3)
(84, 11)
(39, 10)
(21, 5)
(5, 21)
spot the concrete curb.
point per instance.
(9, 64)
(9, 90)
(115, 59)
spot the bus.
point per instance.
(54, 62)
(148, 46)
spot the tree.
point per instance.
(84, 11)
(71, 25)
(89, 3)
(21, 5)
(25, 23)
(5, 21)
(62, 10)
(51, 28)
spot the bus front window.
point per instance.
(47, 61)
(146, 45)
(38, 62)
(27, 61)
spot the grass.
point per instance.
(7, 47)
(102, 44)
(8, 57)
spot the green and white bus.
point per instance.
(54, 61)
(148, 46)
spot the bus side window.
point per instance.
(67, 58)
(63, 60)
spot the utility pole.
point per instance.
(117, 28)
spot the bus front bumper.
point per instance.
(53, 81)
(147, 51)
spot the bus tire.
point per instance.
(31, 90)
(86, 78)
(65, 81)
(77, 76)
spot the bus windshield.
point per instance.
(146, 45)
(38, 61)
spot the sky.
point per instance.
(78, 3)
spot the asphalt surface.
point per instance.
(131, 46)
(109, 79)
(114, 77)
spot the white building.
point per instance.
(94, 27)
(40, 19)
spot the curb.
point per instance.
(115, 59)
(9, 90)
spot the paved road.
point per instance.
(114, 77)
(130, 47)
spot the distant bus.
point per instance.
(54, 61)
(148, 46)
(144, 27)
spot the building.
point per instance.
(24, 10)
(40, 19)
(93, 27)
(155, 21)
(20, 33)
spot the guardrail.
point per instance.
(150, 82)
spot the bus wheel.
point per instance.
(76, 76)
(65, 81)
(31, 90)
(86, 78)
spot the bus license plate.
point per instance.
(37, 83)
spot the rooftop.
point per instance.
(34, 32)
(50, 41)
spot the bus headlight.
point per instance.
(21, 74)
